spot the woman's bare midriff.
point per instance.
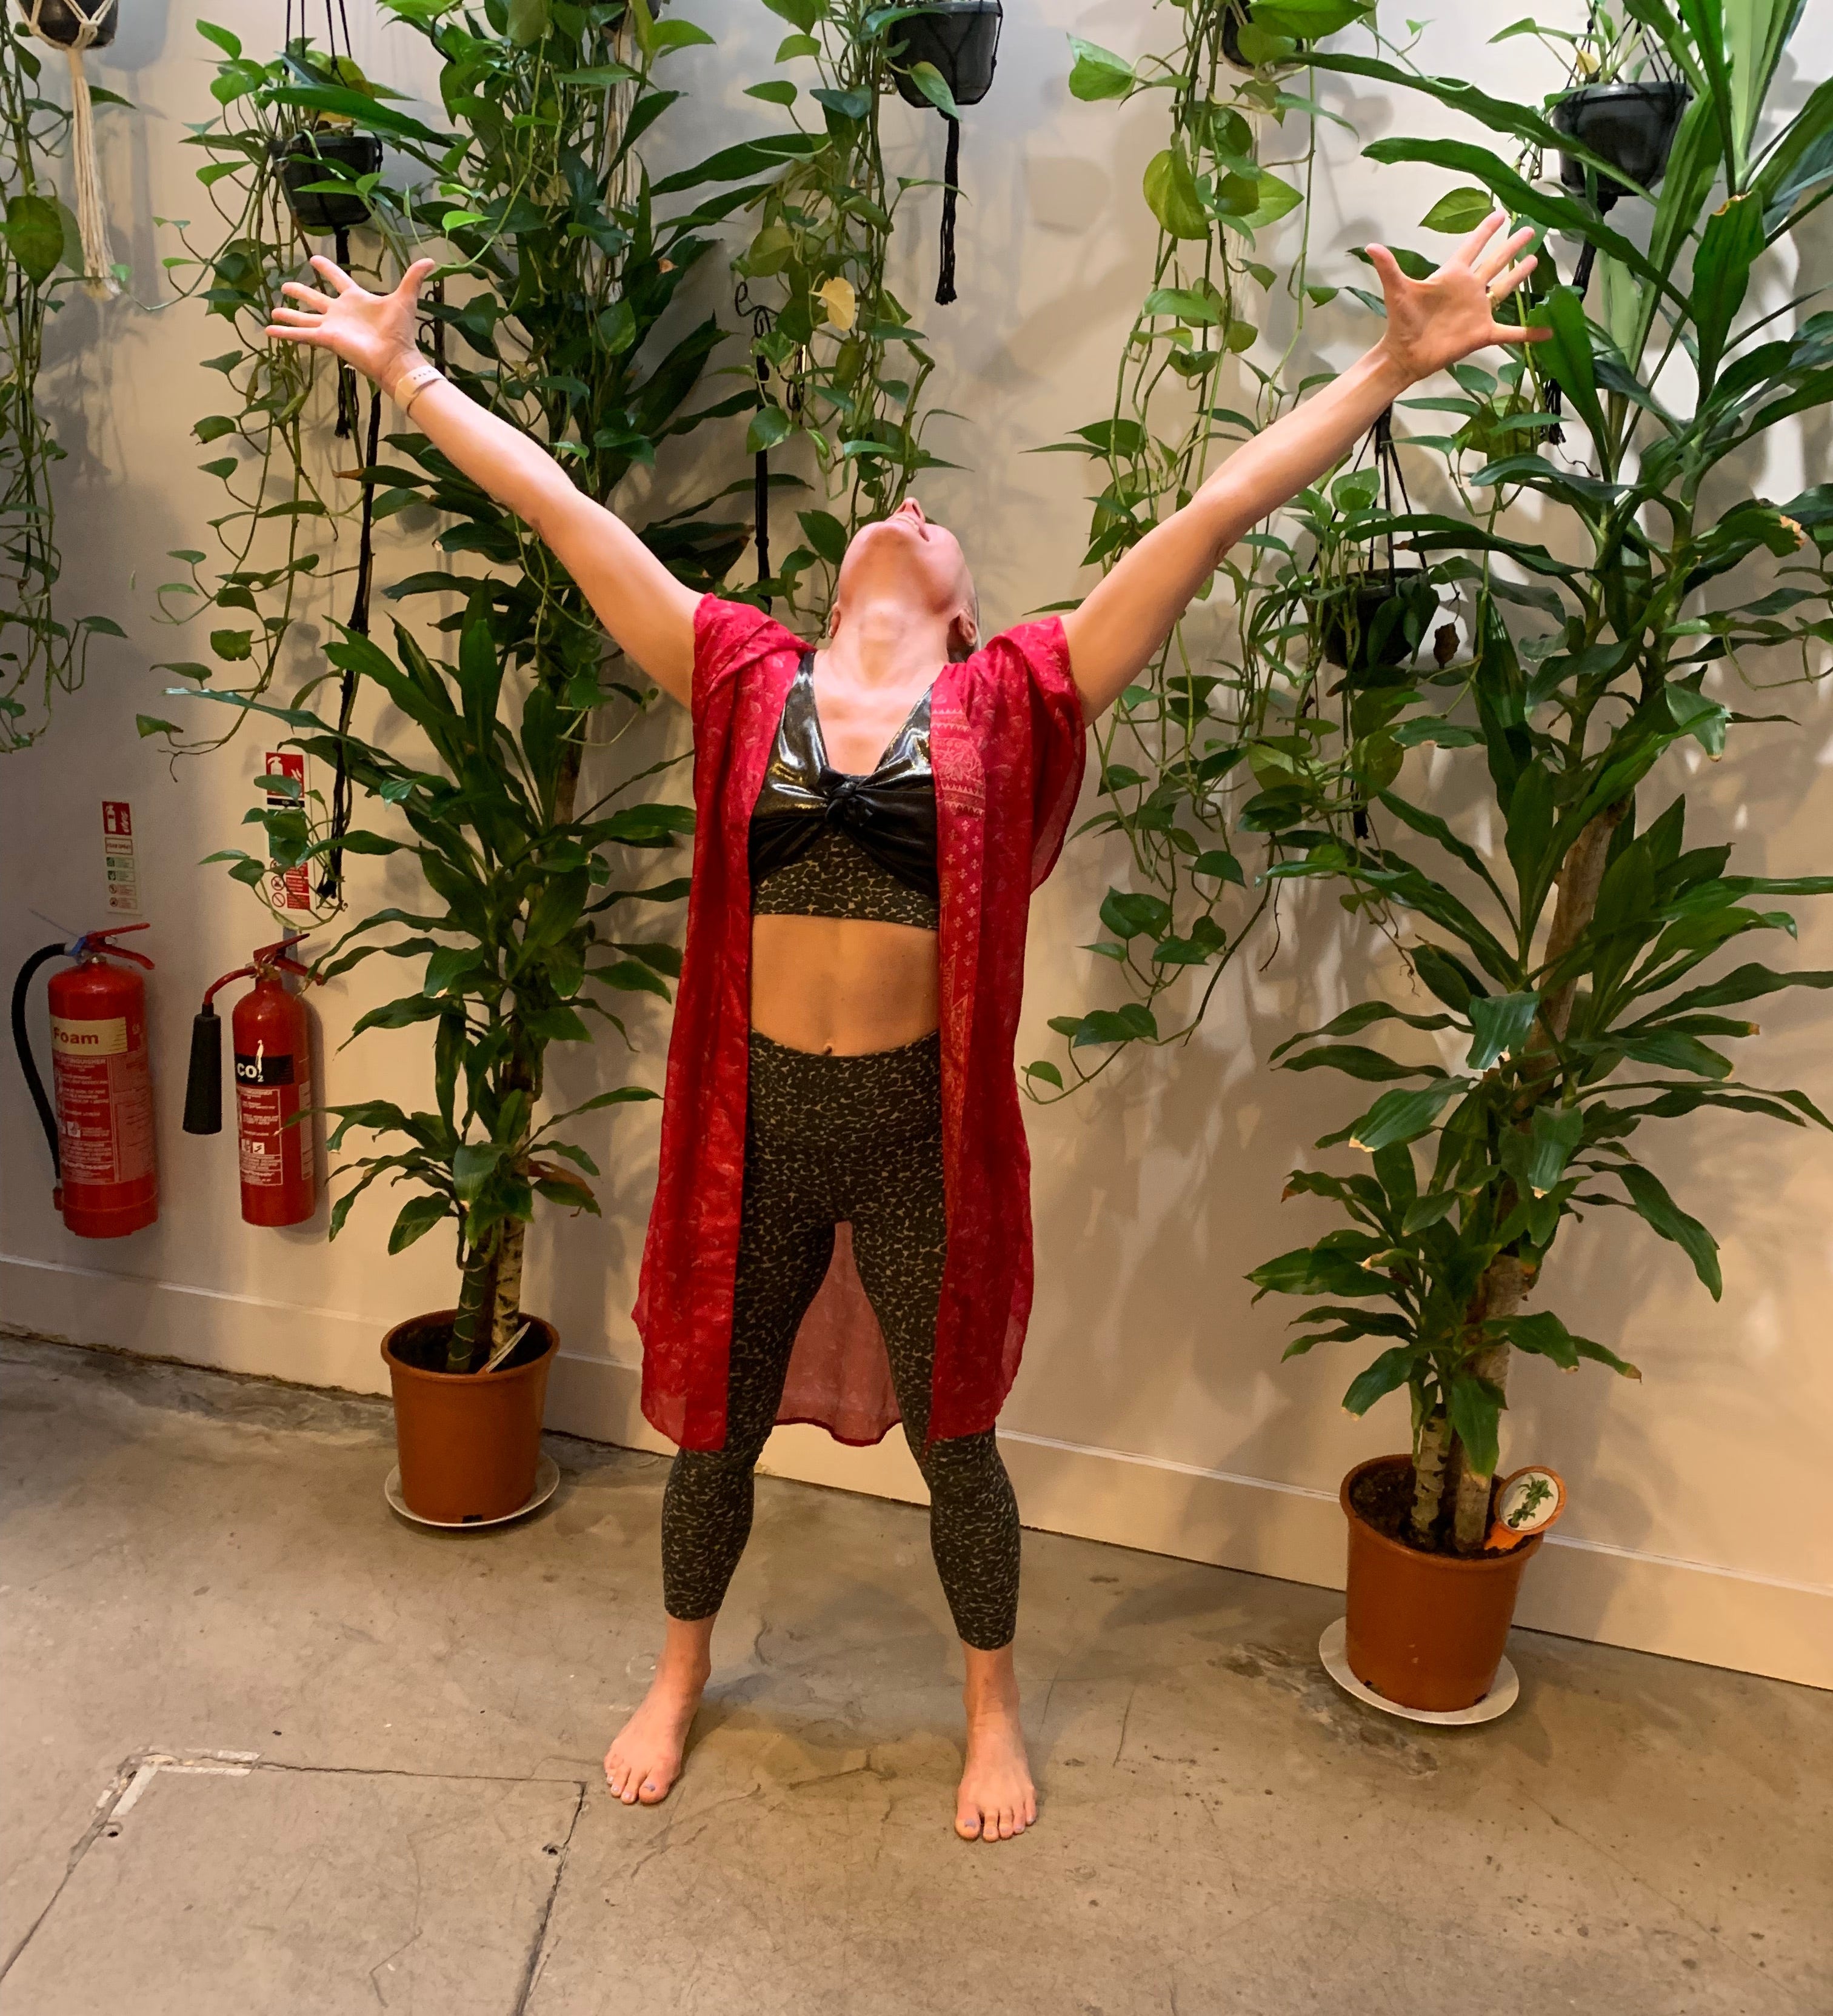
(843, 986)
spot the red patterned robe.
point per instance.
(1006, 746)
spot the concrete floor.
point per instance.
(378, 1780)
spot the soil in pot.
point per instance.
(469, 1443)
(1631, 125)
(305, 160)
(1427, 1630)
(959, 38)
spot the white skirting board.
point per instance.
(1682, 1610)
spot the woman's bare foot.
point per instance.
(645, 1760)
(997, 1799)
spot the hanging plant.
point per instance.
(275, 182)
(1210, 743)
(837, 365)
(72, 28)
(945, 56)
(41, 654)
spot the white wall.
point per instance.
(1152, 1408)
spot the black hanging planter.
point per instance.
(1239, 15)
(1374, 623)
(1632, 126)
(316, 155)
(60, 24)
(961, 40)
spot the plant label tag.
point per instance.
(117, 855)
(1527, 1504)
(288, 888)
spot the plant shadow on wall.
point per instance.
(1580, 985)
(527, 908)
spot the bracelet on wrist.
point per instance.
(412, 382)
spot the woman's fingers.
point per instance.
(334, 273)
(300, 292)
(1509, 332)
(1498, 253)
(1466, 253)
(298, 317)
(314, 336)
(411, 279)
(1385, 265)
(1506, 283)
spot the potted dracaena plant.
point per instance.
(1583, 982)
(554, 291)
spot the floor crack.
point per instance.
(537, 1945)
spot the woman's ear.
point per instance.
(963, 637)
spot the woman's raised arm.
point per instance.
(1119, 628)
(649, 613)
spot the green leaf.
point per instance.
(1535, 1156)
(473, 1164)
(34, 235)
(1132, 913)
(1566, 358)
(1171, 197)
(770, 425)
(1400, 1116)
(1390, 1369)
(1356, 1059)
(1475, 1408)
(418, 1216)
(1098, 73)
(826, 533)
(1733, 237)
(934, 86)
(1500, 1023)
(1460, 212)
(1650, 1199)
(1543, 1334)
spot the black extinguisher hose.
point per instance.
(22, 1044)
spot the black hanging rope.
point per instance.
(330, 883)
(944, 285)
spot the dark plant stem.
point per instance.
(945, 284)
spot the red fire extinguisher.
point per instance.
(101, 1131)
(271, 1033)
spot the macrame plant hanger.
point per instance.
(72, 27)
(335, 17)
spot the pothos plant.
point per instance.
(560, 271)
(1211, 716)
(1570, 1010)
(41, 654)
(837, 364)
(286, 504)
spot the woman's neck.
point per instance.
(884, 641)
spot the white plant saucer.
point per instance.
(547, 1478)
(1500, 1698)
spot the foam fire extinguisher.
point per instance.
(271, 1030)
(100, 1131)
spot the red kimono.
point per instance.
(1006, 746)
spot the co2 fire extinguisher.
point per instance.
(271, 1030)
(101, 1131)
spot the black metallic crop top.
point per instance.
(827, 843)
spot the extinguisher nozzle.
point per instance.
(204, 1084)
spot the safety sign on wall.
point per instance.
(117, 855)
(288, 888)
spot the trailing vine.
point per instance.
(273, 539)
(40, 655)
(837, 361)
(1201, 751)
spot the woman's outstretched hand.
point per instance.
(375, 333)
(1432, 323)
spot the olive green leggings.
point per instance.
(831, 1140)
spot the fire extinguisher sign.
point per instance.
(288, 888)
(117, 855)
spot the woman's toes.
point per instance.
(968, 1824)
(651, 1791)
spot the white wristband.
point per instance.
(412, 382)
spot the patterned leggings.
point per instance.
(829, 1139)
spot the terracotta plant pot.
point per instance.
(1426, 1630)
(469, 1443)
